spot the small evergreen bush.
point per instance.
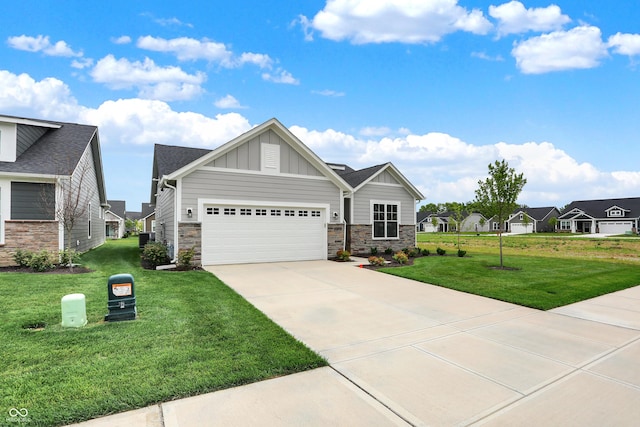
(425, 252)
(41, 261)
(155, 254)
(23, 258)
(461, 253)
(374, 251)
(440, 251)
(185, 256)
(388, 251)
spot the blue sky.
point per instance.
(440, 88)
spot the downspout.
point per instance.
(175, 231)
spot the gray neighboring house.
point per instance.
(37, 160)
(115, 218)
(606, 216)
(445, 222)
(265, 196)
(532, 220)
(148, 218)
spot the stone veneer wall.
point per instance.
(190, 236)
(28, 235)
(362, 241)
(335, 239)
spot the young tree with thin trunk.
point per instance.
(496, 196)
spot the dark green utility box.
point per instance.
(122, 298)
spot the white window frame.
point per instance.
(386, 219)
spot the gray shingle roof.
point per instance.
(536, 213)
(118, 207)
(170, 158)
(357, 177)
(57, 152)
(597, 208)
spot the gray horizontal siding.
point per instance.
(254, 187)
(165, 216)
(363, 197)
(247, 156)
(26, 136)
(32, 201)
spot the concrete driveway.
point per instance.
(407, 353)
(434, 356)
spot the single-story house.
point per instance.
(422, 220)
(115, 218)
(49, 171)
(446, 221)
(606, 216)
(265, 196)
(532, 220)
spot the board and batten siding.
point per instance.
(207, 184)
(385, 178)
(383, 192)
(165, 216)
(25, 137)
(247, 156)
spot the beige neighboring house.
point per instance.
(115, 218)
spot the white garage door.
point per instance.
(615, 227)
(519, 228)
(236, 234)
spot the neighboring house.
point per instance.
(475, 222)
(265, 196)
(446, 221)
(532, 220)
(43, 164)
(422, 219)
(606, 216)
(148, 218)
(115, 218)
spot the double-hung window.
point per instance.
(385, 220)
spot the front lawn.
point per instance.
(538, 282)
(193, 335)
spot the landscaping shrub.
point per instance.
(374, 251)
(343, 255)
(440, 251)
(461, 253)
(23, 258)
(155, 254)
(425, 252)
(388, 251)
(184, 258)
(376, 260)
(41, 261)
(69, 257)
(411, 252)
(401, 257)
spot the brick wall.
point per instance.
(335, 239)
(28, 235)
(362, 241)
(190, 236)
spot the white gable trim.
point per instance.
(282, 131)
(397, 175)
(29, 122)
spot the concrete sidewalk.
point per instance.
(402, 352)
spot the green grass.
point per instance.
(193, 335)
(538, 282)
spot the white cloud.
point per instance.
(188, 49)
(280, 76)
(513, 18)
(375, 131)
(579, 48)
(386, 21)
(42, 44)
(146, 122)
(625, 44)
(121, 40)
(328, 92)
(153, 81)
(48, 98)
(228, 102)
(484, 56)
(82, 63)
